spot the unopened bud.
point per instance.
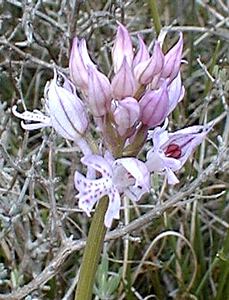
(99, 92)
(154, 106)
(126, 114)
(78, 64)
(145, 71)
(173, 60)
(123, 83)
(67, 112)
(142, 54)
(122, 48)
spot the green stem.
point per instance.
(208, 84)
(223, 269)
(205, 277)
(155, 16)
(92, 252)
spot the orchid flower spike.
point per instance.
(144, 90)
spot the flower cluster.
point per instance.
(127, 109)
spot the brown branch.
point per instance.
(41, 16)
(28, 56)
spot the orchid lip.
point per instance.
(173, 150)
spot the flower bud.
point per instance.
(182, 143)
(173, 60)
(67, 112)
(142, 54)
(123, 83)
(145, 71)
(62, 80)
(176, 92)
(99, 92)
(154, 106)
(126, 114)
(78, 64)
(122, 48)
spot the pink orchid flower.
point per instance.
(128, 176)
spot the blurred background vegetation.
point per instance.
(181, 254)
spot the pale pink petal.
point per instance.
(135, 193)
(84, 54)
(36, 116)
(98, 163)
(113, 207)
(99, 92)
(154, 106)
(161, 37)
(90, 191)
(126, 114)
(145, 71)
(67, 112)
(171, 177)
(173, 60)
(138, 170)
(142, 54)
(196, 129)
(188, 139)
(123, 83)
(176, 92)
(78, 64)
(32, 126)
(154, 161)
(64, 82)
(122, 48)
(159, 135)
(109, 157)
